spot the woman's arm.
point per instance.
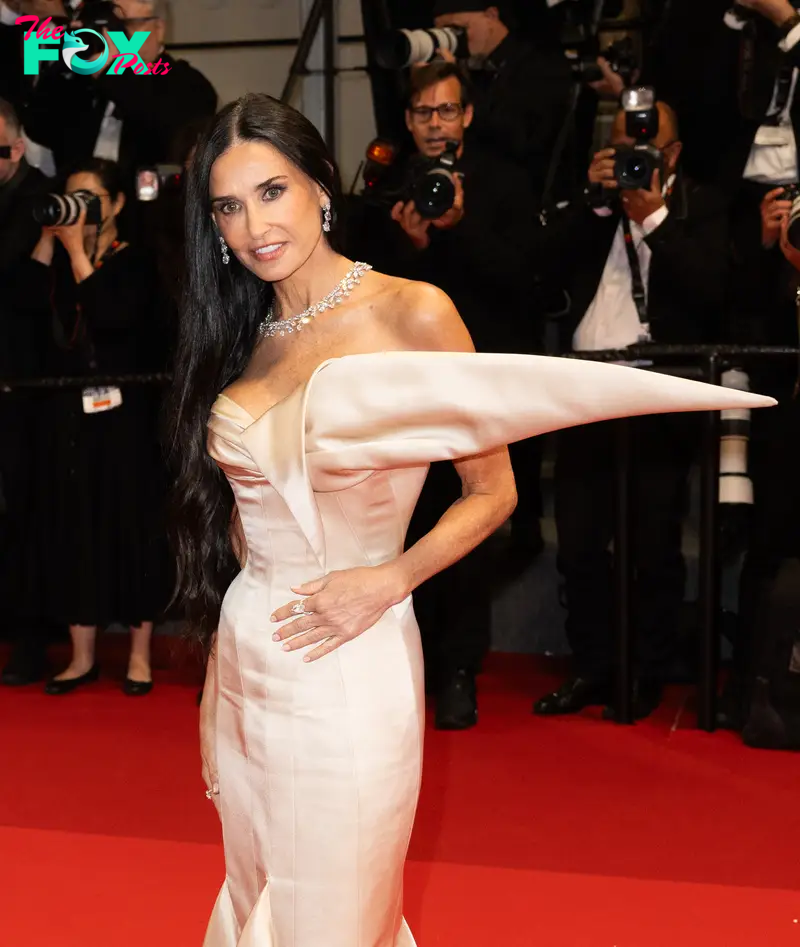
(342, 605)
(208, 726)
(431, 323)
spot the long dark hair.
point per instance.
(221, 310)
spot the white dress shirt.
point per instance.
(612, 321)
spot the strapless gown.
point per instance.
(319, 764)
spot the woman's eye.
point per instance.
(273, 193)
(228, 208)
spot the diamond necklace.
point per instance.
(271, 326)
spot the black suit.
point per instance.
(685, 297)
(521, 102)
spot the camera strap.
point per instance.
(637, 283)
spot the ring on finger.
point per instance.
(299, 608)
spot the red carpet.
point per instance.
(574, 833)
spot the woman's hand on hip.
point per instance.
(339, 607)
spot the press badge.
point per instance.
(101, 399)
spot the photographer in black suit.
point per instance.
(480, 253)
(647, 264)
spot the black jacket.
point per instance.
(19, 233)
(688, 270)
(66, 110)
(521, 103)
(719, 116)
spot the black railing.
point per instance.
(708, 361)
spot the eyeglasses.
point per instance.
(447, 112)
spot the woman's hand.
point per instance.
(72, 236)
(43, 251)
(773, 214)
(339, 607)
(208, 746)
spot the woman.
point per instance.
(312, 717)
(95, 556)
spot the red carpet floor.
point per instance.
(565, 833)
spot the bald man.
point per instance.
(643, 265)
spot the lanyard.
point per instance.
(637, 283)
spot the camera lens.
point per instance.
(434, 194)
(402, 48)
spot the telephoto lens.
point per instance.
(402, 48)
(63, 210)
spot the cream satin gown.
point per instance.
(319, 764)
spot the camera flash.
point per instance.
(636, 100)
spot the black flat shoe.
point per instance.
(574, 695)
(56, 688)
(136, 688)
(457, 703)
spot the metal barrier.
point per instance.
(710, 360)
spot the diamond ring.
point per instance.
(299, 608)
(210, 793)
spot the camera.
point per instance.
(402, 48)
(635, 165)
(158, 179)
(428, 182)
(620, 56)
(63, 210)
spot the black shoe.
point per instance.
(136, 688)
(574, 695)
(56, 688)
(23, 668)
(457, 703)
(647, 696)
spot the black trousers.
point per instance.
(663, 448)
(526, 460)
(453, 608)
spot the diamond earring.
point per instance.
(225, 258)
(326, 217)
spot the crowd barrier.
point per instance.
(706, 362)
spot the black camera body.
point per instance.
(63, 210)
(428, 182)
(635, 165)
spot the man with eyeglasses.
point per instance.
(480, 253)
(128, 118)
(521, 90)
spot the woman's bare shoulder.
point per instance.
(422, 316)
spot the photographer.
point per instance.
(480, 252)
(521, 91)
(129, 119)
(94, 552)
(774, 468)
(19, 186)
(643, 264)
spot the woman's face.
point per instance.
(268, 211)
(83, 181)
